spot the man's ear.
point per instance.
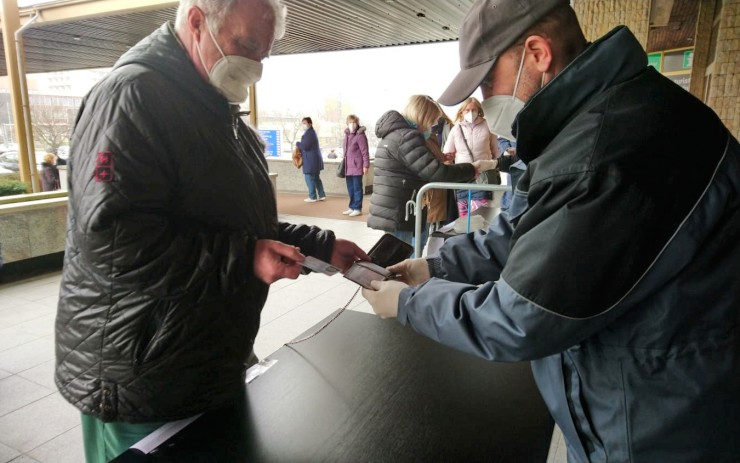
(539, 48)
(196, 20)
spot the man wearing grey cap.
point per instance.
(616, 270)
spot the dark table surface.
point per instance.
(371, 390)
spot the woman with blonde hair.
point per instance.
(469, 141)
(404, 163)
(49, 173)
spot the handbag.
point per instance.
(489, 177)
(297, 158)
(340, 168)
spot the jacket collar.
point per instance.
(359, 130)
(479, 120)
(162, 51)
(613, 59)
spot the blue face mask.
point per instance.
(426, 133)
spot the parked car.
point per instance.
(5, 147)
(9, 160)
(63, 152)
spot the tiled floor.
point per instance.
(37, 425)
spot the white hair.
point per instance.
(217, 10)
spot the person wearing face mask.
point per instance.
(173, 235)
(615, 269)
(313, 162)
(403, 164)
(471, 141)
(356, 163)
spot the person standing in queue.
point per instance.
(470, 140)
(313, 162)
(356, 163)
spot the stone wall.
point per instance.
(33, 228)
(290, 179)
(597, 17)
(724, 86)
(35, 225)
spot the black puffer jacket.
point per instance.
(169, 190)
(403, 164)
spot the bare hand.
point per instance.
(274, 260)
(345, 253)
(411, 271)
(364, 171)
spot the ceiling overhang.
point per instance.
(85, 34)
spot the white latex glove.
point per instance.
(384, 297)
(411, 271)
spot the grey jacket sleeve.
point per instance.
(491, 320)
(499, 321)
(476, 257)
(468, 306)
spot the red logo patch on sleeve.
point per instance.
(104, 167)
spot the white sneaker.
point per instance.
(347, 212)
(355, 213)
(309, 200)
(323, 198)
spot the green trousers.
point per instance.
(105, 441)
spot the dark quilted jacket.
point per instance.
(169, 190)
(403, 164)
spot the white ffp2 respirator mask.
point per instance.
(501, 110)
(232, 75)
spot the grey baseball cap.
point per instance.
(489, 29)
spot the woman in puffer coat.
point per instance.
(471, 140)
(403, 164)
(356, 163)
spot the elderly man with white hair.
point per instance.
(173, 233)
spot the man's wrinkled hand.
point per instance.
(413, 272)
(274, 260)
(384, 297)
(345, 253)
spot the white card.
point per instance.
(319, 266)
